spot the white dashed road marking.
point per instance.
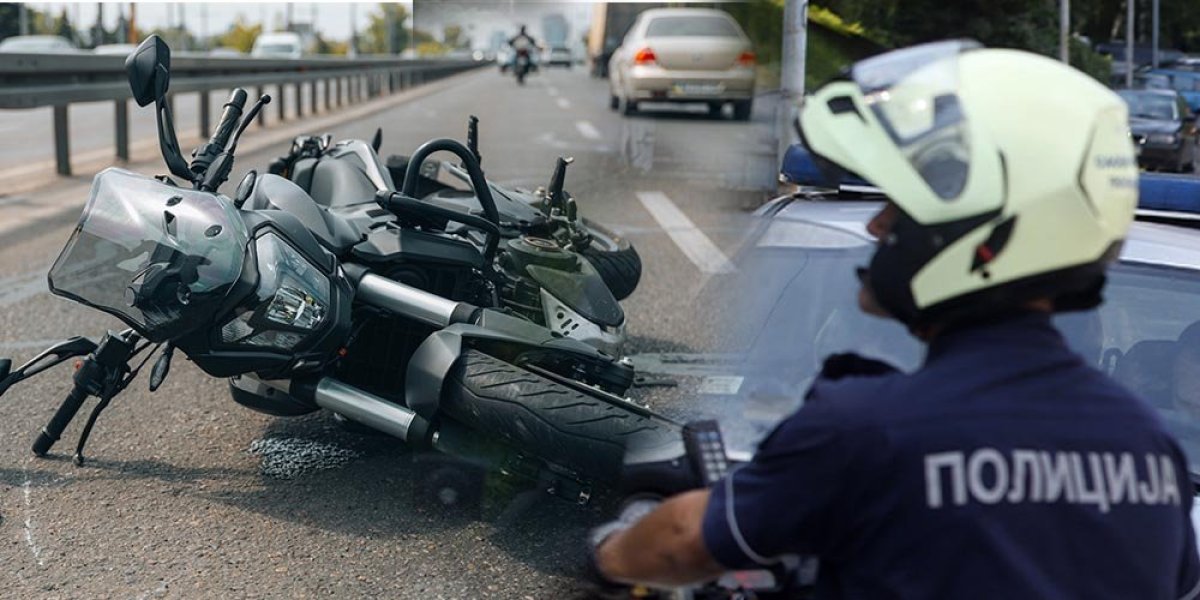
(564, 104)
(588, 130)
(29, 541)
(694, 244)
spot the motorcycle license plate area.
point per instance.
(697, 89)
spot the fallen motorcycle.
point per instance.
(276, 291)
(542, 228)
(308, 309)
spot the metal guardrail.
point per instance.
(58, 80)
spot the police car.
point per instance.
(801, 266)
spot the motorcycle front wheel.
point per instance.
(614, 258)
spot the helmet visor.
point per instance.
(914, 95)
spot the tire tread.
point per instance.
(547, 419)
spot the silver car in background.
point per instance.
(38, 44)
(684, 55)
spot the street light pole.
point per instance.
(23, 17)
(391, 29)
(353, 30)
(1154, 34)
(792, 69)
(1064, 31)
(1129, 43)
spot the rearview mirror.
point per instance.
(149, 69)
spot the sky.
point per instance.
(333, 19)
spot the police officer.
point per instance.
(1005, 467)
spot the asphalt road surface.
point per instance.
(186, 494)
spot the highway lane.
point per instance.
(182, 495)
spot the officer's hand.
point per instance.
(632, 511)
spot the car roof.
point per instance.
(1172, 71)
(1154, 91)
(1147, 243)
(35, 38)
(683, 12)
(279, 35)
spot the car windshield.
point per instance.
(156, 256)
(281, 49)
(691, 26)
(1150, 105)
(1154, 82)
(789, 328)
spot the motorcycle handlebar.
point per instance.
(398, 204)
(229, 119)
(53, 430)
(478, 182)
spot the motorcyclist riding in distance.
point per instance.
(1005, 466)
(522, 41)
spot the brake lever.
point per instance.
(116, 376)
(61, 352)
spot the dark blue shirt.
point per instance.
(1003, 468)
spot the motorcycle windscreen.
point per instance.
(158, 257)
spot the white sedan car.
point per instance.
(684, 55)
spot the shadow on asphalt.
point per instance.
(380, 495)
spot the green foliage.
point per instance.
(1089, 61)
(431, 48)
(42, 23)
(421, 36)
(762, 21)
(452, 37)
(324, 46)
(387, 31)
(833, 41)
(826, 55)
(177, 38)
(826, 18)
(1026, 24)
(240, 35)
(10, 20)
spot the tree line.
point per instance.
(388, 31)
(1026, 24)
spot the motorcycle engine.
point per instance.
(381, 342)
(525, 297)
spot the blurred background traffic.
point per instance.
(1126, 44)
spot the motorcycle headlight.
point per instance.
(290, 304)
(295, 308)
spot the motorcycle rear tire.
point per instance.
(538, 416)
(615, 259)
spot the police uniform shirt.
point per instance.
(1004, 468)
